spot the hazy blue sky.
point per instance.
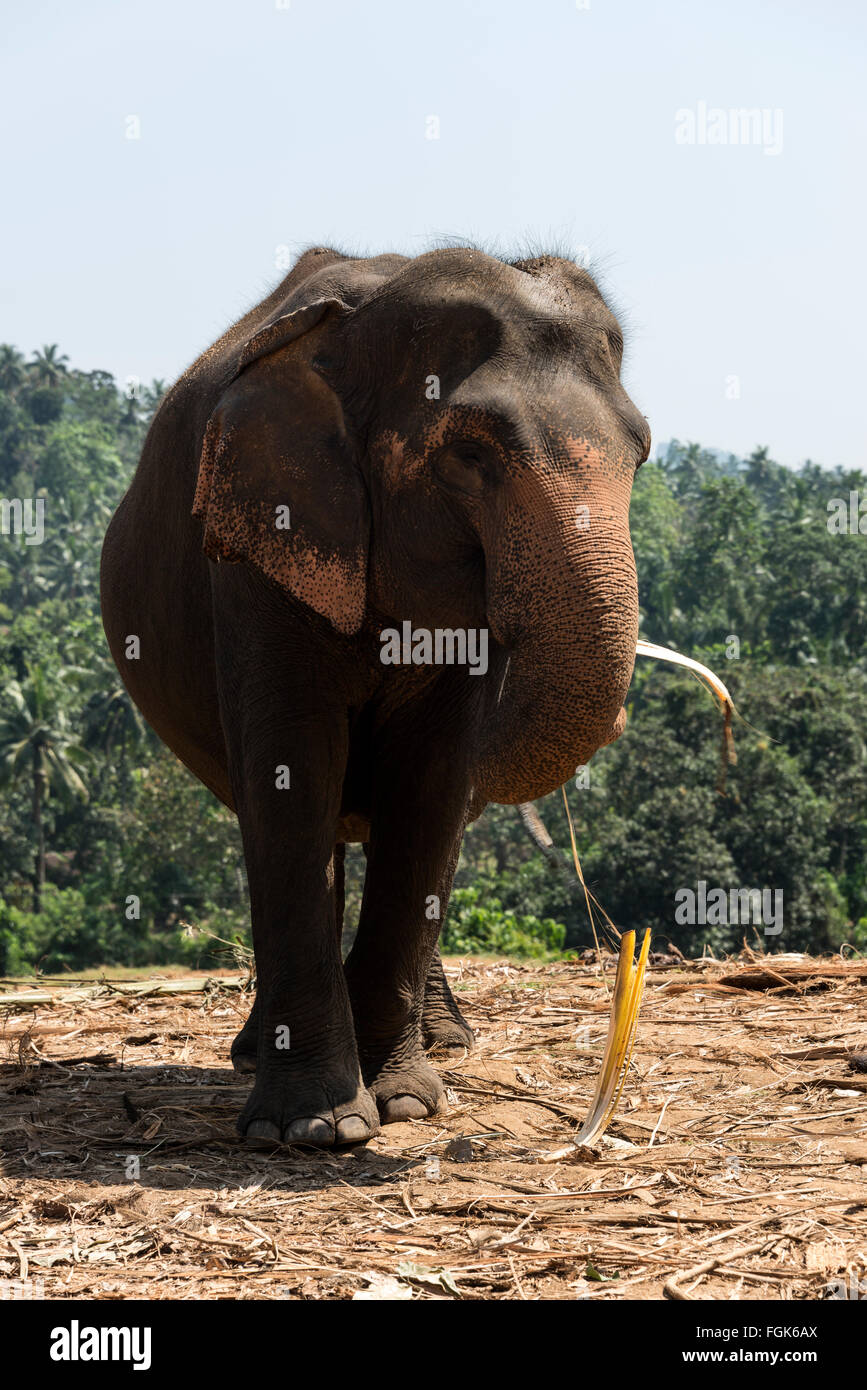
(264, 127)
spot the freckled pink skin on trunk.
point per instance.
(563, 598)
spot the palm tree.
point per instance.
(152, 396)
(112, 722)
(36, 742)
(67, 567)
(130, 416)
(28, 586)
(69, 557)
(11, 367)
(114, 727)
(48, 367)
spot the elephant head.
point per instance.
(446, 440)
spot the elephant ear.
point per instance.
(279, 486)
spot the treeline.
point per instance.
(111, 853)
(752, 569)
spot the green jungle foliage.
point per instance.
(111, 853)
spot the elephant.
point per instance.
(437, 444)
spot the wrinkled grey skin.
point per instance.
(498, 501)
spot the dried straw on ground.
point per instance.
(735, 1167)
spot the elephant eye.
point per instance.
(461, 466)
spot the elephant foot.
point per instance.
(442, 1021)
(319, 1113)
(243, 1051)
(405, 1088)
(246, 1044)
(447, 1030)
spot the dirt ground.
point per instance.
(735, 1167)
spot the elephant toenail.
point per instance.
(352, 1129)
(262, 1129)
(309, 1130)
(404, 1108)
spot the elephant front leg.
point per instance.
(415, 837)
(443, 1024)
(308, 1086)
(246, 1042)
(287, 745)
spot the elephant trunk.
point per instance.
(563, 600)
